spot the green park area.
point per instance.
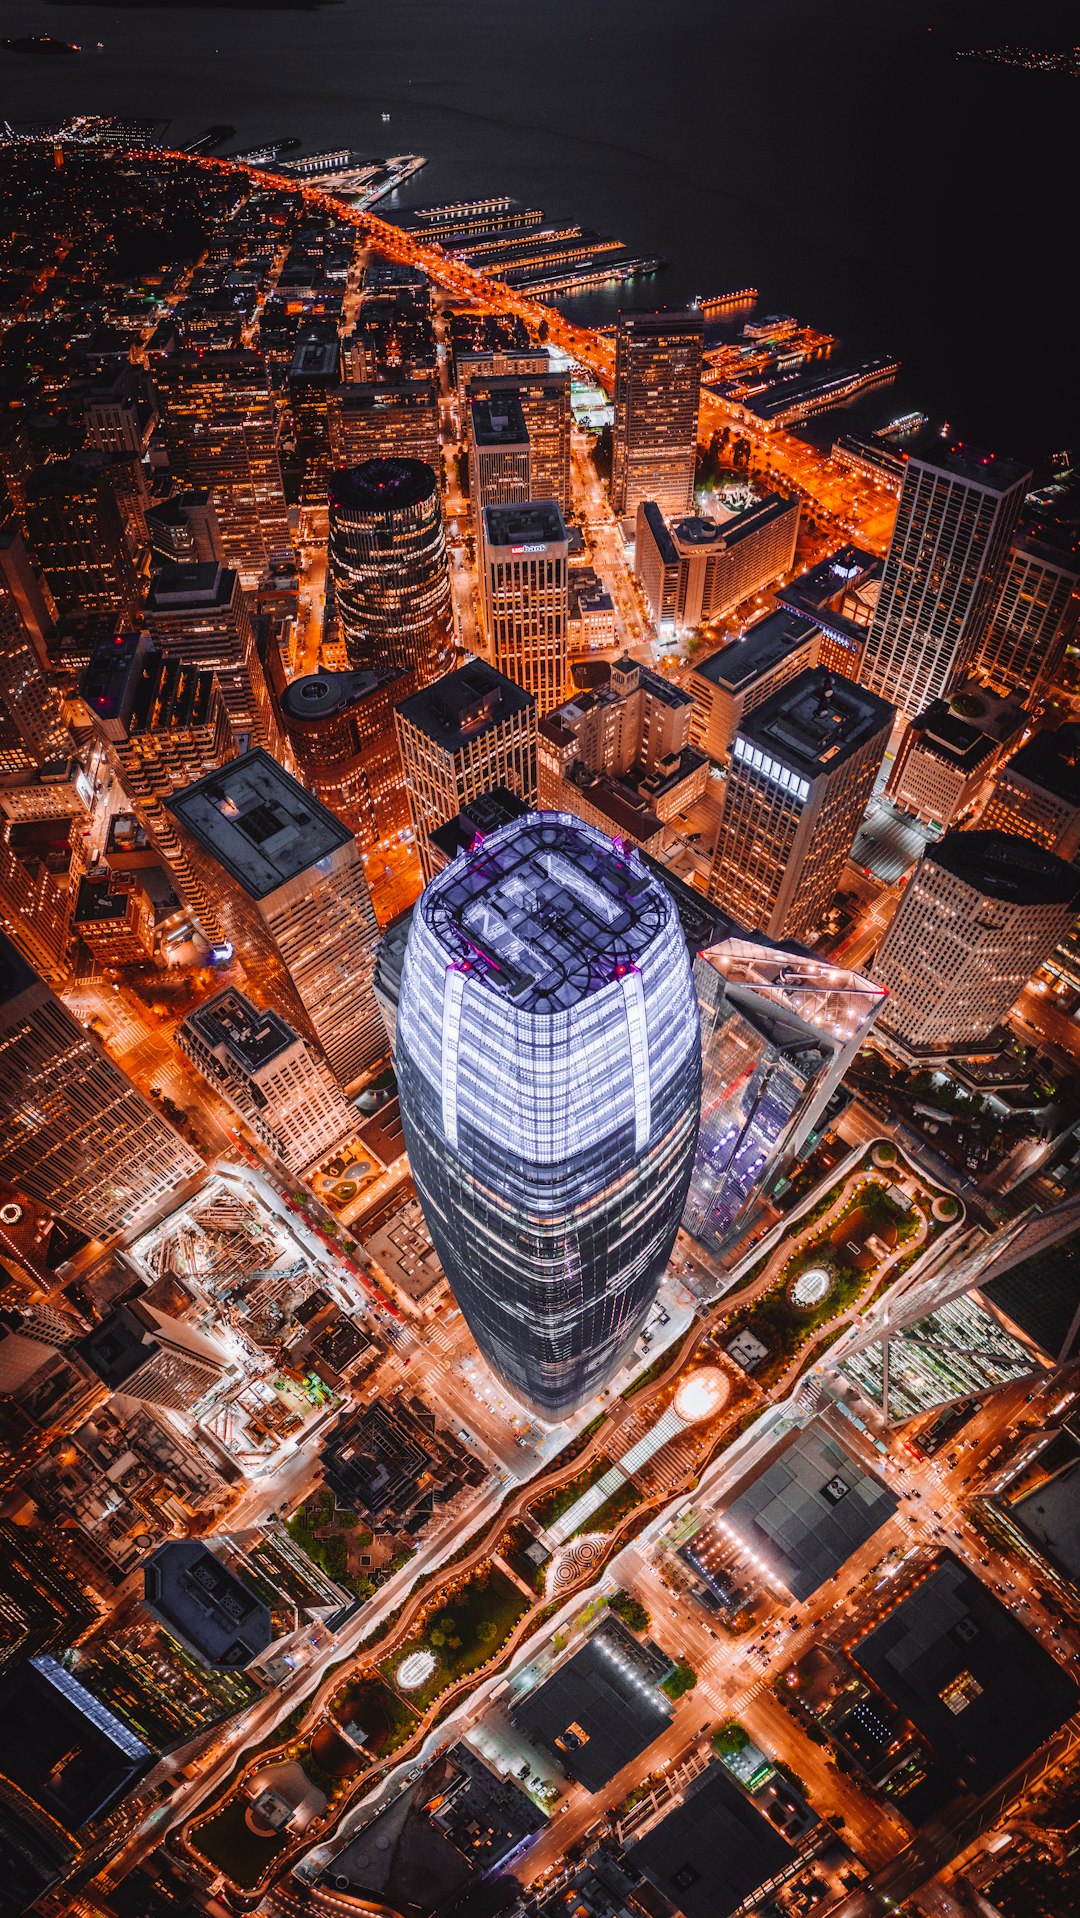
(553, 1504)
(374, 1713)
(227, 1842)
(463, 1627)
(332, 1540)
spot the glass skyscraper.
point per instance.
(549, 1067)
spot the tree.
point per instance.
(630, 1610)
(679, 1681)
(603, 449)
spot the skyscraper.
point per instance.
(699, 569)
(369, 420)
(279, 1084)
(461, 737)
(549, 1068)
(31, 729)
(500, 472)
(949, 546)
(221, 426)
(1033, 617)
(544, 399)
(341, 729)
(657, 393)
(148, 1355)
(981, 912)
(803, 766)
(75, 1134)
(289, 886)
(1037, 792)
(389, 568)
(198, 614)
(77, 533)
(524, 587)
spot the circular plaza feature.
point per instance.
(811, 1287)
(415, 1670)
(701, 1395)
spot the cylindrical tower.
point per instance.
(341, 729)
(388, 566)
(549, 1067)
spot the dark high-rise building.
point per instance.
(803, 766)
(389, 568)
(75, 1134)
(657, 393)
(460, 738)
(1033, 618)
(949, 547)
(372, 420)
(184, 531)
(499, 465)
(313, 375)
(221, 427)
(981, 912)
(77, 533)
(148, 1355)
(544, 399)
(341, 729)
(31, 729)
(549, 1067)
(198, 614)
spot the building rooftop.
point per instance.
(536, 523)
(326, 695)
(15, 975)
(809, 1510)
(815, 722)
(970, 463)
(1002, 865)
(207, 1607)
(768, 642)
(1050, 1517)
(61, 1746)
(96, 903)
(498, 421)
(316, 360)
(483, 815)
(464, 705)
(648, 325)
(376, 396)
(258, 822)
(1052, 761)
(382, 486)
(960, 743)
(595, 1713)
(197, 583)
(709, 1854)
(963, 1669)
(249, 1034)
(548, 911)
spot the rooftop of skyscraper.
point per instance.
(1052, 760)
(205, 1604)
(250, 1033)
(499, 422)
(258, 822)
(465, 704)
(382, 486)
(538, 522)
(547, 911)
(198, 583)
(768, 642)
(1002, 865)
(991, 470)
(323, 695)
(15, 974)
(816, 721)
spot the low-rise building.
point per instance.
(619, 754)
(694, 570)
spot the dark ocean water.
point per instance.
(835, 155)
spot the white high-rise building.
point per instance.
(524, 582)
(949, 547)
(278, 1084)
(75, 1134)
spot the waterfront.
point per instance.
(729, 151)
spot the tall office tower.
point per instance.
(500, 472)
(461, 737)
(524, 587)
(32, 731)
(313, 375)
(779, 1029)
(74, 1133)
(220, 425)
(948, 754)
(34, 904)
(78, 536)
(375, 421)
(803, 766)
(728, 684)
(34, 606)
(544, 399)
(700, 569)
(148, 1355)
(1037, 793)
(949, 546)
(184, 531)
(980, 914)
(163, 724)
(496, 363)
(389, 568)
(198, 614)
(341, 730)
(279, 1084)
(549, 1067)
(657, 393)
(291, 891)
(114, 918)
(1033, 618)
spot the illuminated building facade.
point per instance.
(368, 420)
(1037, 793)
(544, 399)
(289, 884)
(198, 614)
(389, 568)
(950, 543)
(460, 738)
(221, 427)
(151, 1356)
(779, 1029)
(619, 754)
(75, 1134)
(731, 682)
(803, 766)
(694, 570)
(524, 587)
(500, 470)
(548, 1061)
(341, 730)
(1033, 620)
(277, 1083)
(979, 915)
(31, 730)
(77, 533)
(657, 393)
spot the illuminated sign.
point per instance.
(536, 546)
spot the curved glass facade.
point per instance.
(389, 568)
(549, 1067)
